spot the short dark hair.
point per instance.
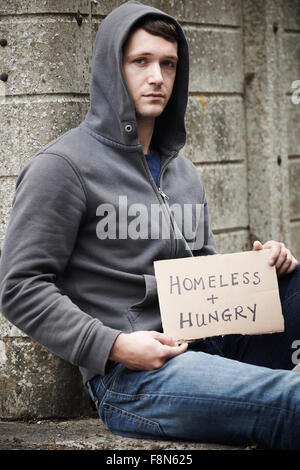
(158, 27)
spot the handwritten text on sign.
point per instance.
(220, 294)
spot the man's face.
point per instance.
(149, 66)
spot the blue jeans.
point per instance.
(233, 390)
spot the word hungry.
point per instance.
(204, 319)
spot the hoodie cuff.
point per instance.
(97, 347)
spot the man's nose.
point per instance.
(155, 75)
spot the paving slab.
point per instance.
(84, 434)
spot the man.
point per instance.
(73, 279)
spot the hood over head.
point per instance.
(111, 114)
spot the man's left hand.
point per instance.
(280, 256)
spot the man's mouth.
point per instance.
(154, 95)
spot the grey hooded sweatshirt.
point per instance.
(63, 282)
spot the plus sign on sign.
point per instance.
(215, 295)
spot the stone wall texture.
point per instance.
(243, 123)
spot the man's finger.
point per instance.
(257, 245)
(275, 248)
(284, 268)
(293, 266)
(274, 252)
(289, 266)
(284, 258)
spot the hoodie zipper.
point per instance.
(174, 241)
(164, 198)
(162, 193)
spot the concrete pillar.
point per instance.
(267, 81)
(291, 67)
(45, 55)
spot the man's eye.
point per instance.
(139, 61)
(169, 63)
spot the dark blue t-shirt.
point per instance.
(153, 160)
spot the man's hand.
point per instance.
(280, 256)
(144, 350)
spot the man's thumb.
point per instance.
(176, 350)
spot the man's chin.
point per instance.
(151, 110)
(150, 114)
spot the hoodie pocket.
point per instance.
(148, 303)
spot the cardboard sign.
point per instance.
(218, 295)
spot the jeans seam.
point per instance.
(133, 416)
(116, 378)
(103, 381)
(103, 398)
(106, 389)
(179, 397)
(129, 395)
(99, 385)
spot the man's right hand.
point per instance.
(145, 350)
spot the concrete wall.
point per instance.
(243, 136)
(272, 64)
(290, 33)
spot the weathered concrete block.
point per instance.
(291, 14)
(291, 59)
(45, 55)
(36, 383)
(233, 242)
(94, 28)
(226, 192)
(28, 125)
(294, 173)
(215, 129)
(224, 12)
(217, 12)
(14, 7)
(7, 190)
(293, 126)
(9, 157)
(266, 120)
(295, 239)
(269, 199)
(291, 68)
(216, 58)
